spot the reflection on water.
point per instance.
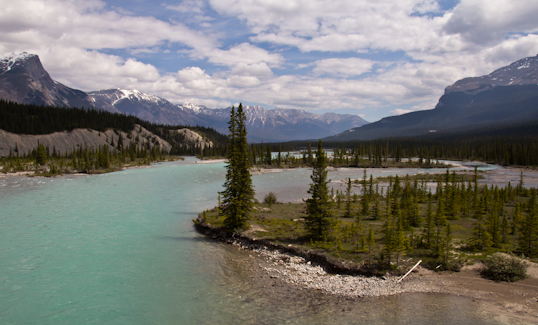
(120, 248)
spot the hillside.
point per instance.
(22, 126)
(66, 141)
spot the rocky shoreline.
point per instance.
(314, 272)
(329, 264)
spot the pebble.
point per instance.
(297, 271)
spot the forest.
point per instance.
(47, 161)
(34, 119)
(508, 145)
(394, 219)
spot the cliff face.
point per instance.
(24, 80)
(519, 73)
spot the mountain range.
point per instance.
(24, 80)
(508, 95)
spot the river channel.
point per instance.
(120, 248)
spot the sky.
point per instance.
(372, 58)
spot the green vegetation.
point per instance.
(262, 155)
(45, 162)
(238, 196)
(460, 221)
(501, 267)
(270, 199)
(515, 145)
(318, 220)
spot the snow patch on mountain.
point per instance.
(8, 60)
(135, 94)
(521, 72)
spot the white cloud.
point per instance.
(91, 70)
(243, 53)
(195, 78)
(243, 81)
(188, 6)
(489, 21)
(475, 38)
(257, 69)
(76, 24)
(345, 25)
(399, 111)
(345, 67)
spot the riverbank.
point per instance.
(45, 171)
(288, 268)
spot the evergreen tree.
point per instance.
(439, 220)
(528, 234)
(480, 237)
(429, 221)
(365, 206)
(447, 241)
(388, 238)
(318, 207)
(348, 199)
(41, 157)
(279, 159)
(268, 158)
(400, 240)
(370, 241)
(238, 196)
(309, 151)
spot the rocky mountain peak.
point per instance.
(521, 72)
(24, 80)
(15, 60)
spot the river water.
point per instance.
(120, 248)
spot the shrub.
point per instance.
(501, 267)
(270, 198)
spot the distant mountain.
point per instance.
(24, 80)
(278, 124)
(522, 72)
(262, 124)
(147, 107)
(507, 95)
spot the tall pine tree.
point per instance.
(318, 207)
(238, 195)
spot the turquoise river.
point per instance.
(120, 248)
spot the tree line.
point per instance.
(509, 151)
(35, 119)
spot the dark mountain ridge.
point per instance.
(507, 95)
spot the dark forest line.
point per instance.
(36, 120)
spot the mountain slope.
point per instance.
(278, 124)
(507, 95)
(262, 124)
(147, 107)
(24, 80)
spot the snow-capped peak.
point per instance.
(9, 59)
(193, 107)
(16, 56)
(133, 93)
